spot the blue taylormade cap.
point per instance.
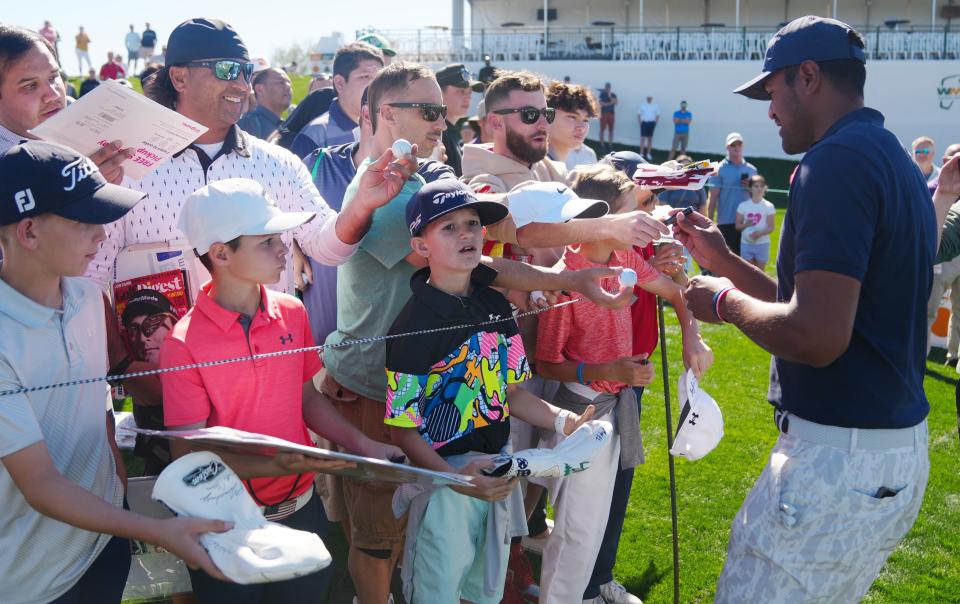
(807, 38)
(38, 177)
(446, 195)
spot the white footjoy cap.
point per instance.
(200, 485)
(571, 455)
(701, 424)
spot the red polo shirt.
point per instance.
(263, 396)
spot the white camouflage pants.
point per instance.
(813, 530)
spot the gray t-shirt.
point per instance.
(729, 181)
(372, 288)
(41, 557)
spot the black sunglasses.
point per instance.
(430, 112)
(530, 115)
(226, 69)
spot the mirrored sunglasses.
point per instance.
(226, 69)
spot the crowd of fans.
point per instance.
(483, 215)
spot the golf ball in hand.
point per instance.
(628, 278)
(402, 148)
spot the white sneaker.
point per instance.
(615, 593)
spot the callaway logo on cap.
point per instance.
(38, 177)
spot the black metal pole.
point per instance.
(673, 477)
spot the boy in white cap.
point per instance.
(235, 230)
(65, 533)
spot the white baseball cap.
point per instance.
(224, 210)
(573, 454)
(701, 424)
(200, 485)
(733, 137)
(550, 202)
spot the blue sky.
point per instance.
(263, 25)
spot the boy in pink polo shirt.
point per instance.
(236, 230)
(589, 350)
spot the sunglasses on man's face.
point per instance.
(430, 112)
(531, 115)
(921, 151)
(226, 69)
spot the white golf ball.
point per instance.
(402, 148)
(628, 278)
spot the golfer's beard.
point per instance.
(522, 150)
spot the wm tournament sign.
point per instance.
(949, 91)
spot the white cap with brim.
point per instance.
(200, 485)
(550, 202)
(701, 423)
(224, 210)
(733, 137)
(573, 454)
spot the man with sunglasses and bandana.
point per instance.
(458, 88)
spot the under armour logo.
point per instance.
(693, 419)
(287, 339)
(24, 200)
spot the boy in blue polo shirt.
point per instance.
(447, 396)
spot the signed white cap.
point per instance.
(701, 424)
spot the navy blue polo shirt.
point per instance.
(859, 207)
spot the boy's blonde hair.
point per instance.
(605, 183)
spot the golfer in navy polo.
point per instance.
(846, 323)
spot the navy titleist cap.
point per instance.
(807, 38)
(37, 177)
(443, 196)
(200, 39)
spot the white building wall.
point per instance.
(904, 91)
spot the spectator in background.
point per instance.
(488, 72)
(132, 42)
(378, 41)
(52, 36)
(946, 277)
(924, 152)
(69, 87)
(83, 47)
(89, 83)
(729, 189)
(469, 132)
(319, 82)
(608, 104)
(273, 93)
(479, 124)
(755, 220)
(648, 114)
(354, 66)
(457, 87)
(111, 70)
(148, 42)
(575, 106)
(682, 198)
(681, 130)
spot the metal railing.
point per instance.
(633, 44)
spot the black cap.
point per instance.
(37, 177)
(625, 161)
(443, 196)
(146, 302)
(200, 39)
(456, 74)
(807, 38)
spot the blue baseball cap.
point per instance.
(807, 38)
(625, 161)
(38, 177)
(446, 195)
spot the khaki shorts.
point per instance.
(366, 505)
